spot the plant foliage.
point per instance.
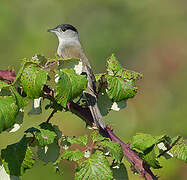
(97, 155)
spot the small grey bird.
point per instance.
(70, 47)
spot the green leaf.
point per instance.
(17, 158)
(96, 137)
(113, 66)
(150, 157)
(114, 149)
(8, 112)
(74, 64)
(115, 69)
(45, 133)
(69, 86)
(65, 143)
(82, 140)
(32, 80)
(48, 153)
(104, 102)
(20, 101)
(179, 151)
(39, 59)
(3, 85)
(120, 82)
(36, 107)
(18, 122)
(174, 140)
(99, 76)
(120, 172)
(142, 141)
(70, 155)
(9, 108)
(94, 168)
(119, 89)
(45, 137)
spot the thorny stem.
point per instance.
(47, 65)
(90, 147)
(137, 163)
(84, 113)
(8, 75)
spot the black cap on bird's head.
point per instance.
(63, 27)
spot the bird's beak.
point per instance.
(51, 30)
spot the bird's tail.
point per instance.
(96, 114)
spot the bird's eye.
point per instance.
(63, 29)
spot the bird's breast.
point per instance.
(70, 51)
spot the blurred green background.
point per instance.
(147, 36)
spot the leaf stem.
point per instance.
(51, 115)
(169, 148)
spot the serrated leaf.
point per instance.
(179, 151)
(71, 155)
(20, 101)
(25, 62)
(32, 80)
(75, 64)
(96, 167)
(150, 157)
(48, 153)
(115, 69)
(10, 107)
(96, 137)
(99, 76)
(45, 137)
(65, 143)
(120, 172)
(142, 141)
(3, 84)
(19, 121)
(175, 139)
(5, 92)
(114, 149)
(8, 112)
(104, 103)
(69, 86)
(119, 89)
(45, 133)
(82, 140)
(39, 59)
(113, 66)
(17, 158)
(120, 82)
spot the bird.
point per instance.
(70, 47)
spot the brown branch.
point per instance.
(137, 163)
(84, 113)
(8, 74)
